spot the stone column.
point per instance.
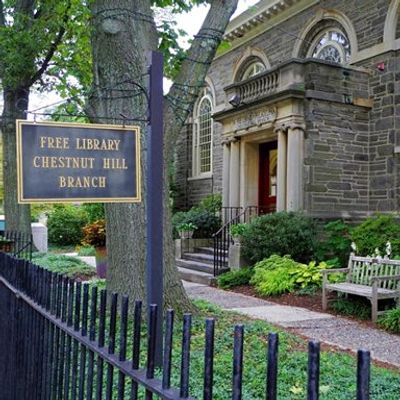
(295, 155)
(226, 155)
(234, 174)
(281, 171)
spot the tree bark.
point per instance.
(18, 216)
(122, 36)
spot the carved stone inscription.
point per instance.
(255, 118)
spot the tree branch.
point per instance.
(52, 48)
(190, 80)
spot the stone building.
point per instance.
(301, 111)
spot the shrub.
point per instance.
(390, 320)
(237, 229)
(335, 243)
(94, 234)
(94, 211)
(65, 224)
(273, 276)
(212, 203)
(207, 222)
(276, 275)
(234, 278)
(280, 233)
(375, 232)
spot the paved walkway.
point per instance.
(326, 328)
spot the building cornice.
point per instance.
(260, 18)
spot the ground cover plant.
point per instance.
(338, 369)
(71, 267)
(390, 320)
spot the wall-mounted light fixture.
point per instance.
(235, 101)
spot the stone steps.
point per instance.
(198, 266)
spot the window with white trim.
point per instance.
(202, 136)
(331, 45)
(255, 68)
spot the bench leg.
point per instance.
(324, 299)
(374, 310)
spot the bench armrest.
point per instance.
(334, 270)
(385, 278)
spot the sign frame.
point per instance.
(123, 128)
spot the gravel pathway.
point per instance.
(326, 328)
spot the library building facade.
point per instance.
(300, 111)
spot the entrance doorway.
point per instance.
(267, 186)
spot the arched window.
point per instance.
(253, 69)
(331, 45)
(202, 136)
(253, 66)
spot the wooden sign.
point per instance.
(69, 162)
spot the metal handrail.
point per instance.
(222, 239)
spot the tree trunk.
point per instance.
(18, 216)
(123, 34)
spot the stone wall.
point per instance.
(384, 132)
(336, 142)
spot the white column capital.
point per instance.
(290, 124)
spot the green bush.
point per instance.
(390, 320)
(65, 224)
(234, 278)
(273, 276)
(38, 209)
(375, 232)
(207, 222)
(276, 275)
(336, 242)
(280, 233)
(94, 211)
(212, 203)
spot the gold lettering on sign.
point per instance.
(97, 144)
(114, 163)
(63, 162)
(85, 182)
(54, 142)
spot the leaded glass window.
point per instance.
(332, 45)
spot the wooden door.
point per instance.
(267, 177)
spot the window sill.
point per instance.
(200, 177)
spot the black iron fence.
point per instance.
(60, 339)
(18, 244)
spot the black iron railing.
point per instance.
(58, 340)
(20, 244)
(223, 239)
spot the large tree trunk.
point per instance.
(123, 34)
(18, 216)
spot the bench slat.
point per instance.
(361, 290)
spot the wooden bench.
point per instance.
(373, 278)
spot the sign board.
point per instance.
(69, 162)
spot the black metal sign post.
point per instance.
(154, 206)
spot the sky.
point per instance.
(190, 22)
